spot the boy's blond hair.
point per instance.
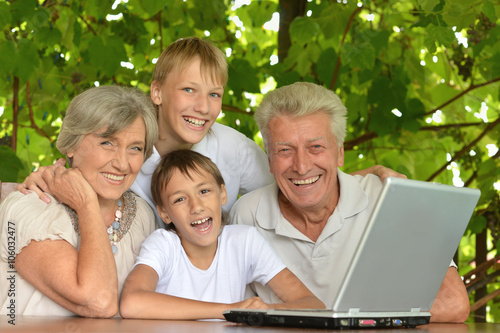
(181, 53)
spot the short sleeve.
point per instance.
(156, 252)
(265, 263)
(27, 218)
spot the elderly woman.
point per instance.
(72, 257)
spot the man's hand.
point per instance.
(381, 171)
(37, 184)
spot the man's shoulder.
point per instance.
(249, 199)
(257, 202)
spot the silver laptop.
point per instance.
(399, 265)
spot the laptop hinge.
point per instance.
(415, 310)
(354, 310)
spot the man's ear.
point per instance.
(341, 157)
(156, 92)
(163, 214)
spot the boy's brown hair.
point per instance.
(183, 52)
(186, 161)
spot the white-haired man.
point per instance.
(314, 215)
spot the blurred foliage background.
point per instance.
(419, 78)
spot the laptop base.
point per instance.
(334, 321)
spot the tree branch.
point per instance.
(474, 174)
(230, 108)
(346, 30)
(88, 25)
(439, 127)
(32, 117)
(15, 113)
(484, 300)
(348, 145)
(465, 149)
(472, 87)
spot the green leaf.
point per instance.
(26, 59)
(358, 56)
(7, 57)
(5, 17)
(325, 66)
(243, 77)
(152, 7)
(477, 225)
(303, 30)
(489, 10)
(428, 5)
(259, 12)
(437, 34)
(23, 10)
(10, 164)
(107, 56)
(49, 36)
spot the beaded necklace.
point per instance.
(124, 216)
(113, 228)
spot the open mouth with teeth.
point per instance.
(305, 182)
(203, 224)
(113, 177)
(195, 122)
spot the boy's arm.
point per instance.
(139, 300)
(293, 293)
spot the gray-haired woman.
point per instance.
(72, 257)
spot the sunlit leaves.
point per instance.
(303, 31)
(106, 54)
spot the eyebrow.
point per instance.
(286, 143)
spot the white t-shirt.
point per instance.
(242, 257)
(242, 163)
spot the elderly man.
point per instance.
(314, 215)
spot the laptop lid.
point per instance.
(407, 247)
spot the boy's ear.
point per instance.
(163, 214)
(156, 92)
(223, 194)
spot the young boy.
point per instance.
(200, 266)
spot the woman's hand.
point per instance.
(37, 184)
(69, 186)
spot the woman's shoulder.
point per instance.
(32, 219)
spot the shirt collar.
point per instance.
(352, 201)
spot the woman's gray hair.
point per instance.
(301, 99)
(112, 107)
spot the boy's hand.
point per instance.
(252, 303)
(37, 184)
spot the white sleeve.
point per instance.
(155, 252)
(264, 262)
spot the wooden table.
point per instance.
(81, 325)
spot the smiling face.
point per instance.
(303, 157)
(111, 164)
(193, 204)
(189, 103)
